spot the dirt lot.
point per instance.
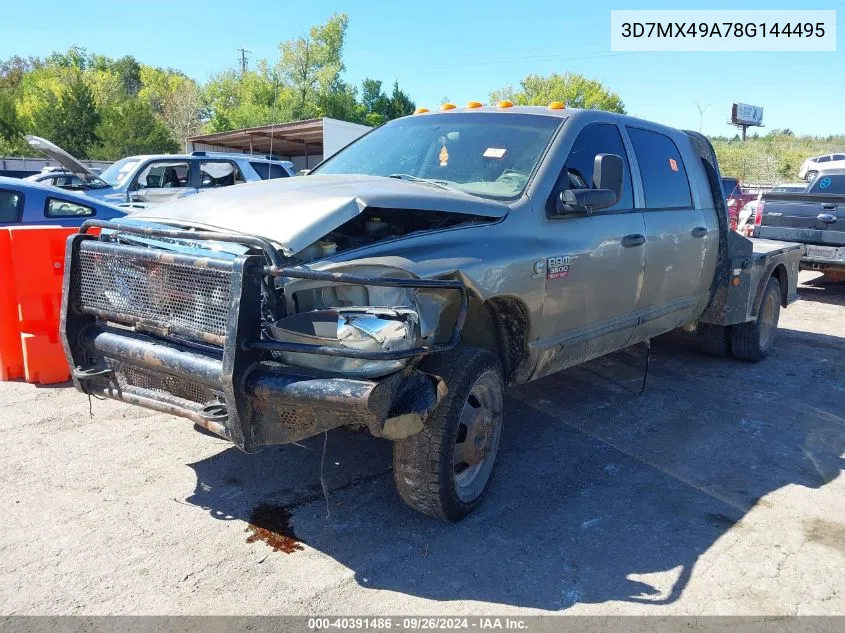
(718, 491)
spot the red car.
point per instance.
(735, 198)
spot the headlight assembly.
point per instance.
(354, 328)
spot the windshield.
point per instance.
(484, 154)
(117, 173)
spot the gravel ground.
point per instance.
(716, 492)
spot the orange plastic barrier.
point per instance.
(37, 269)
(11, 358)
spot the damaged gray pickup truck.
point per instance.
(412, 276)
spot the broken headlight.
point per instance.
(353, 328)
(373, 318)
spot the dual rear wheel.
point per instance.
(749, 341)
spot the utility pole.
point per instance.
(701, 112)
(242, 58)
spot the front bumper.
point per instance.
(182, 335)
(269, 406)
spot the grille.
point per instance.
(184, 299)
(161, 384)
(296, 420)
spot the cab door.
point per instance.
(594, 262)
(681, 240)
(162, 181)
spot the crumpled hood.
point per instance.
(295, 212)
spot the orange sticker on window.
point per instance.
(444, 156)
(673, 164)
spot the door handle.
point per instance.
(699, 231)
(829, 206)
(633, 240)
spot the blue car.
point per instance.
(23, 202)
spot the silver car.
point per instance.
(147, 180)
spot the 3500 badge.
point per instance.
(557, 267)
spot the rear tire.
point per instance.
(444, 471)
(752, 341)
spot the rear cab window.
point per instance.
(730, 186)
(11, 205)
(664, 176)
(268, 171)
(835, 183)
(59, 208)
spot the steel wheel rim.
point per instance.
(767, 321)
(478, 434)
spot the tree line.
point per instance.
(104, 108)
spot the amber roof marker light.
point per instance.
(557, 105)
(475, 104)
(421, 110)
(505, 104)
(448, 106)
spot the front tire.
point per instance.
(811, 175)
(444, 471)
(752, 341)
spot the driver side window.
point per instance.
(164, 175)
(577, 173)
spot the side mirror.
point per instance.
(608, 172)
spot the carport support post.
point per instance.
(250, 144)
(305, 145)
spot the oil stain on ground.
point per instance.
(826, 533)
(271, 524)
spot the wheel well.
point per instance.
(781, 275)
(501, 325)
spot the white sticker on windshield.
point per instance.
(494, 152)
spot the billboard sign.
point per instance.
(744, 114)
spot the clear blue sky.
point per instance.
(460, 49)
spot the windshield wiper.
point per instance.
(441, 184)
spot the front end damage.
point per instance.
(221, 341)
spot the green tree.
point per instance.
(250, 99)
(78, 117)
(183, 112)
(126, 70)
(372, 98)
(132, 128)
(70, 119)
(311, 65)
(12, 70)
(376, 107)
(338, 102)
(10, 127)
(75, 58)
(575, 90)
(400, 104)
